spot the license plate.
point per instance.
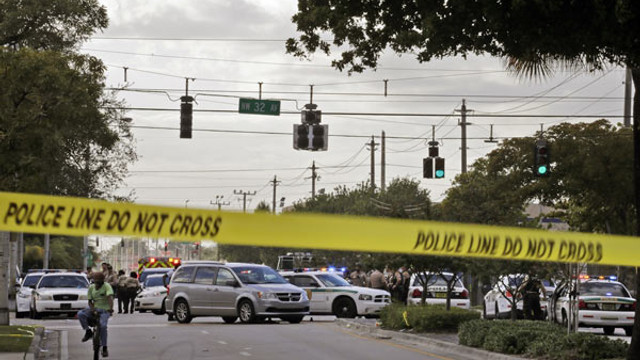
(609, 307)
(65, 306)
(441, 295)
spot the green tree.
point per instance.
(263, 206)
(56, 25)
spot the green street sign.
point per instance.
(260, 107)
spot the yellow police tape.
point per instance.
(76, 216)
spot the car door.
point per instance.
(315, 291)
(202, 291)
(225, 293)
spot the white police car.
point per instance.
(152, 295)
(603, 303)
(499, 300)
(437, 290)
(60, 293)
(330, 294)
(23, 295)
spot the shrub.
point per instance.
(429, 318)
(538, 339)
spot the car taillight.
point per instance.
(416, 293)
(464, 294)
(508, 294)
(582, 304)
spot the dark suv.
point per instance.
(233, 290)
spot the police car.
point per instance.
(603, 302)
(499, 300)
(330, 294)
(23, 296)
(59, 293)
(152, 295)
(437, 290)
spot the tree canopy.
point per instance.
(594, 31)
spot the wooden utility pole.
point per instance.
(275, 183)
(372, 148)
(244, 197)
(383, 163)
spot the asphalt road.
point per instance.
(147, 336)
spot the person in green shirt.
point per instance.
(100, 296)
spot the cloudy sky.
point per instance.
(229, 46)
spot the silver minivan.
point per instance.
(233, 290)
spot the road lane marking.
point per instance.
(244, 353)
(204, 332)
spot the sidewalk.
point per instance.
(445, 342)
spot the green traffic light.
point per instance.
(542, 169)
(439, 174)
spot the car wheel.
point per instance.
(293, 319)
(182, 312)
(628, 330)
(608, 330)
(246, 312)
(565, 321)
(162, 310)
(344, 308)
(229, 319)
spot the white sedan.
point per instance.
(331, 294)
(23, 295)
(152, 295)
(604, 304)
(59, 293)
(437, 290)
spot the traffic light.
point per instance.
(320, 138)
(427, 168)
(186, 117)
(311, 116)
(542, 161)
(439, 168)
(300, 136)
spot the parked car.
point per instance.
(437, 290)
(152, 295)
(234, 290)
(59, 293)
(23, 295)
(498, 301)
(329, 293)
(602, 303)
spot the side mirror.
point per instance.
(232, 283)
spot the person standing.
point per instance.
(358, 277)
(530, 290)
(121, 290)
(377, 280)
(100, 295)
(132, 286)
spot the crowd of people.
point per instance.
(396, 282)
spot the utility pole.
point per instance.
(45, 262)
(314, 176)
(463, 126)
(383, 163)
(275, 183)
(244, 197)
(219, 202)
(372, 147)
(628, 81)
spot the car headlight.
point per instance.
(83, 297)
(304, 295)
(267, 295)
(365, 297)
(44, 297)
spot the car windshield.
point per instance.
(331, 280)
(153, 281)
(258, 275)
(434, 280)
(31, 280)
(63, 281)
(603, 289)
(145, 273)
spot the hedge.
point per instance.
(425, 318)
(538, 339)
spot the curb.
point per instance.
(440, 344)
(34, 349)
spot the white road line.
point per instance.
(64, 345)
(204, 332)
(222, 342)
(244, 353)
